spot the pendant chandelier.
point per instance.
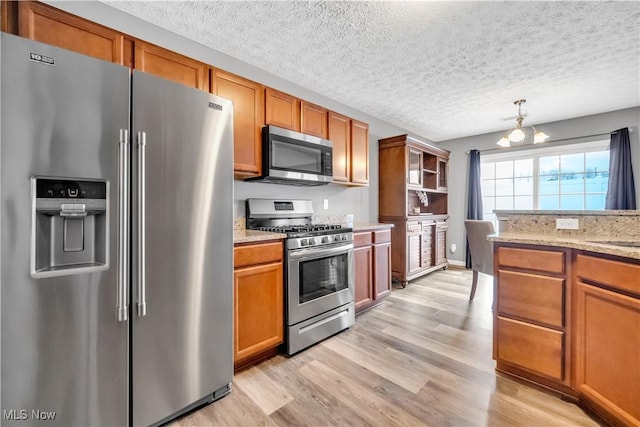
(517, 134)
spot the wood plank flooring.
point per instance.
(421, 358)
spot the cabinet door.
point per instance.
(440, 243)
(359, 152)
(382, 270)
(363, 263)
(171, 66)
(282, 110)
(340, 135)
(51, 26)
(442, 174)
(248, 106)
(607, 351)
(414, 248)
(258, 313)
(313, 119)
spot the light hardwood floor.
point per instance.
(421, 358)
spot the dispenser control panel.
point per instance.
(70, 189)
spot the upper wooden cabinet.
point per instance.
(282, 110)
(340, 135)
(313, 119)
(248, 119)
(170, 65)
(413, 178)
(350, 149)
(359, 152)
(51, 26)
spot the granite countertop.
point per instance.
(249, 236)
(593, 244)
(363, 226)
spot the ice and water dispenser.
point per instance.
(70, 226)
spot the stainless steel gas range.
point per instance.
(319, 269)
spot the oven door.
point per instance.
(319, 280)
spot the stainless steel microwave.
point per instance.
(295, 158)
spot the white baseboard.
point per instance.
(456, 263)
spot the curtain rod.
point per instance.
(555, 140)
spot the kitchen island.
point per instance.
(567, 306)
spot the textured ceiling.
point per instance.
(441, 70)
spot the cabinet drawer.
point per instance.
(535, 348)
(257, 254)
(362, 239)
(413, 227)
(382, 236)
(531, 297)
(531, 259)
(621, 275)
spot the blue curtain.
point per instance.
(621, 193)
(474, 205)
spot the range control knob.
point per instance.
(312, 241)
(337, 238)
(325, 240)
(344, 237)
(304, 242)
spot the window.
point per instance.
(573, 177)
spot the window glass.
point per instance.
(572, 177)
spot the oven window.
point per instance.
(324, 276)
(290, 156)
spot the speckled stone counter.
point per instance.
(252, 236)
(357, 227)
(608, 232)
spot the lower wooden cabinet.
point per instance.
(420, 247)
(372, 265)
(570, 320)
(258, 302)
(607, 337)
(530, 328)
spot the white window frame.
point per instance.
(536, 153)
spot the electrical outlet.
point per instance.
(566, 224)
(453, 248)
(325, 203)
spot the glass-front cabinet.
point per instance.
(414, 176)
(415, 200)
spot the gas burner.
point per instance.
(304, 229)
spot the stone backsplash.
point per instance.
(624, 225)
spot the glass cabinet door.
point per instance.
(415, 167)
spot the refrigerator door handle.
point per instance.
(141, 303)
(123, 224)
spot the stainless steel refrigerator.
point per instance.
(116, 242)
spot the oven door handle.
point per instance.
(314, 253)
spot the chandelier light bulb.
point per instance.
(504, 142)
(516, 135)
(540, 137)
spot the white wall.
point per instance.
(360, 201)
(571, 129)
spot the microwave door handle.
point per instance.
(319, 253)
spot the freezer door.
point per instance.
(183, 247)
(64, 355)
